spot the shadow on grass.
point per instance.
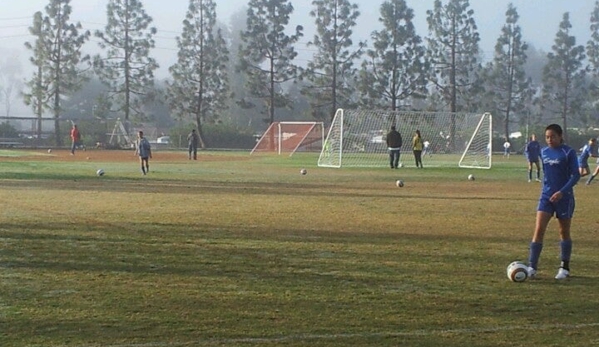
(139, 184)
(210, 250)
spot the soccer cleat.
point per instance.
(528, 181)
(562, 274)
(532, 273)
(538, 180)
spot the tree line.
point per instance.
(224, 73)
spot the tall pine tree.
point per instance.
(454, 50)
(37, 95)
(267, 52)
(200, 83)
(330, 73)
(57, 57)
(127, 68)
(563, 76)
(593, 59)
(397, 68)
(505, 77)
(454, 54)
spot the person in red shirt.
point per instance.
(75, 138)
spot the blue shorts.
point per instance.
(563, 209)
(583, 164)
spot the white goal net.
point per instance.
(357, 138)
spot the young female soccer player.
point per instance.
(589, 150)
(560, 168)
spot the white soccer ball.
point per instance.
(517, 271)
(400, 164)
(470, 177)
(100, 172)
(303, 171)
(399, 183)
(49, 150)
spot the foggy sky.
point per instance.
(539, 20)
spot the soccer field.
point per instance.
(240, 250)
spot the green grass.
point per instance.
(251, 253)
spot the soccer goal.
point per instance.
(357, 138)
(291, 137)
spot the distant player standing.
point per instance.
(144, 150)
(560, 174)
(193, 140)
(75, 138)
(427, 149)
(589, 150)
(532, 151)
(506, 148)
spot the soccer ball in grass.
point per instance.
(303, 171)
(399, 183)
(517, 271)
(400, 164)
(470, 177)
(49, 150)
(100, 172)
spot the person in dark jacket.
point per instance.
(394, 143)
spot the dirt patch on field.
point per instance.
(112, 156)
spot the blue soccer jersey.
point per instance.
(533, 151)
(560, 167)
(587, 151)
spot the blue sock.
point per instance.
(566, 251)
(535, 253)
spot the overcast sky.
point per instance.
(539, 20)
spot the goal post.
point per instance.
(478, 152)
(357, 138)
(291, 137)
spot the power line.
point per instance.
(15, 18)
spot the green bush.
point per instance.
(8, 131)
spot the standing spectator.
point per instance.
(589, 150)
(506, 148)
(193, 140)
(75, 138)
(144, 150)
(394, 143)
(417, 146)
(532, 151)
(560, 172)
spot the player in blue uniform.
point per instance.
(532, 151)
(589, 150)
(560, 174)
